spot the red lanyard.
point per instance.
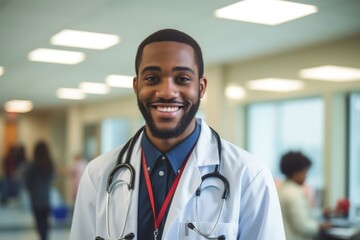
(157, 219)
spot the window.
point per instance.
(277, 127)
(354, 152)
(114, 132)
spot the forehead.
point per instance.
(167, 54)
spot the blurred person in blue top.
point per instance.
(38, 178)
(298, 216)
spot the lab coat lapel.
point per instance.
(189, 182)
(204, 154)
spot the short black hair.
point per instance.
(171, 35)
(293, 162)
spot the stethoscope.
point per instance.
(125, 165)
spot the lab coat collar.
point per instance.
(206, 149)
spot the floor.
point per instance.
(16, 222)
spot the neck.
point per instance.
(164, 145)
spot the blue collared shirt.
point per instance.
(163, 169)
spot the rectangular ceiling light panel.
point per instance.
(56, 56)
(275, 85)
(331, 73)
(121, 81)
(18, 106)
(268, 12)
(81, 39)
(70, 93)
(94, 88)
(1, 70)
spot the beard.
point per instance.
(169, 133)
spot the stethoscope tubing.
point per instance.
(107, 206)
(120, 166)
(217, 219)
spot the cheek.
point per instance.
(196, 95)
(143, 94)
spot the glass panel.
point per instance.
(354, 156)
(114, 132)
(277, 127)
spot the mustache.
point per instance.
(167, 101)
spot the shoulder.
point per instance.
(104, 160)
(289, 191)
(235, 161)
(242, 160)
(99, 167)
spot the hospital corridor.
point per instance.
(268, 108)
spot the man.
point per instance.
(171, 156)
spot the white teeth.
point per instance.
(168, 109)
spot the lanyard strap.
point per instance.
(158, 219)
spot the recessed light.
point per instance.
(56, 56)
(235, 92)
(269, 12)
(18, 106)
(331, 73)
(1, 70)
(82, 39)
(122, 81)
(70, 93)
(275, 85)
(94, 88)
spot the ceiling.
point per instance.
(27, 25)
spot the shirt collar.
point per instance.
(176, 155)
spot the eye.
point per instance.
(183, 79)
(151, 79)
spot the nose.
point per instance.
(167, 89)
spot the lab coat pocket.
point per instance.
(226, 229)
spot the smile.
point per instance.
(168, 109)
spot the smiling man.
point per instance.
(176, 178)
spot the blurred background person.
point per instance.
(9, 173)
(76, 171)
(38, 178)
(20, 164)
(13, 167)
(298, 215)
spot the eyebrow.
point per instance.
(158, 69)
(151, 68)
(186, 69)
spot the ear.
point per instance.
(202, 85)
(135, 85)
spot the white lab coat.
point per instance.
(252, 210)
